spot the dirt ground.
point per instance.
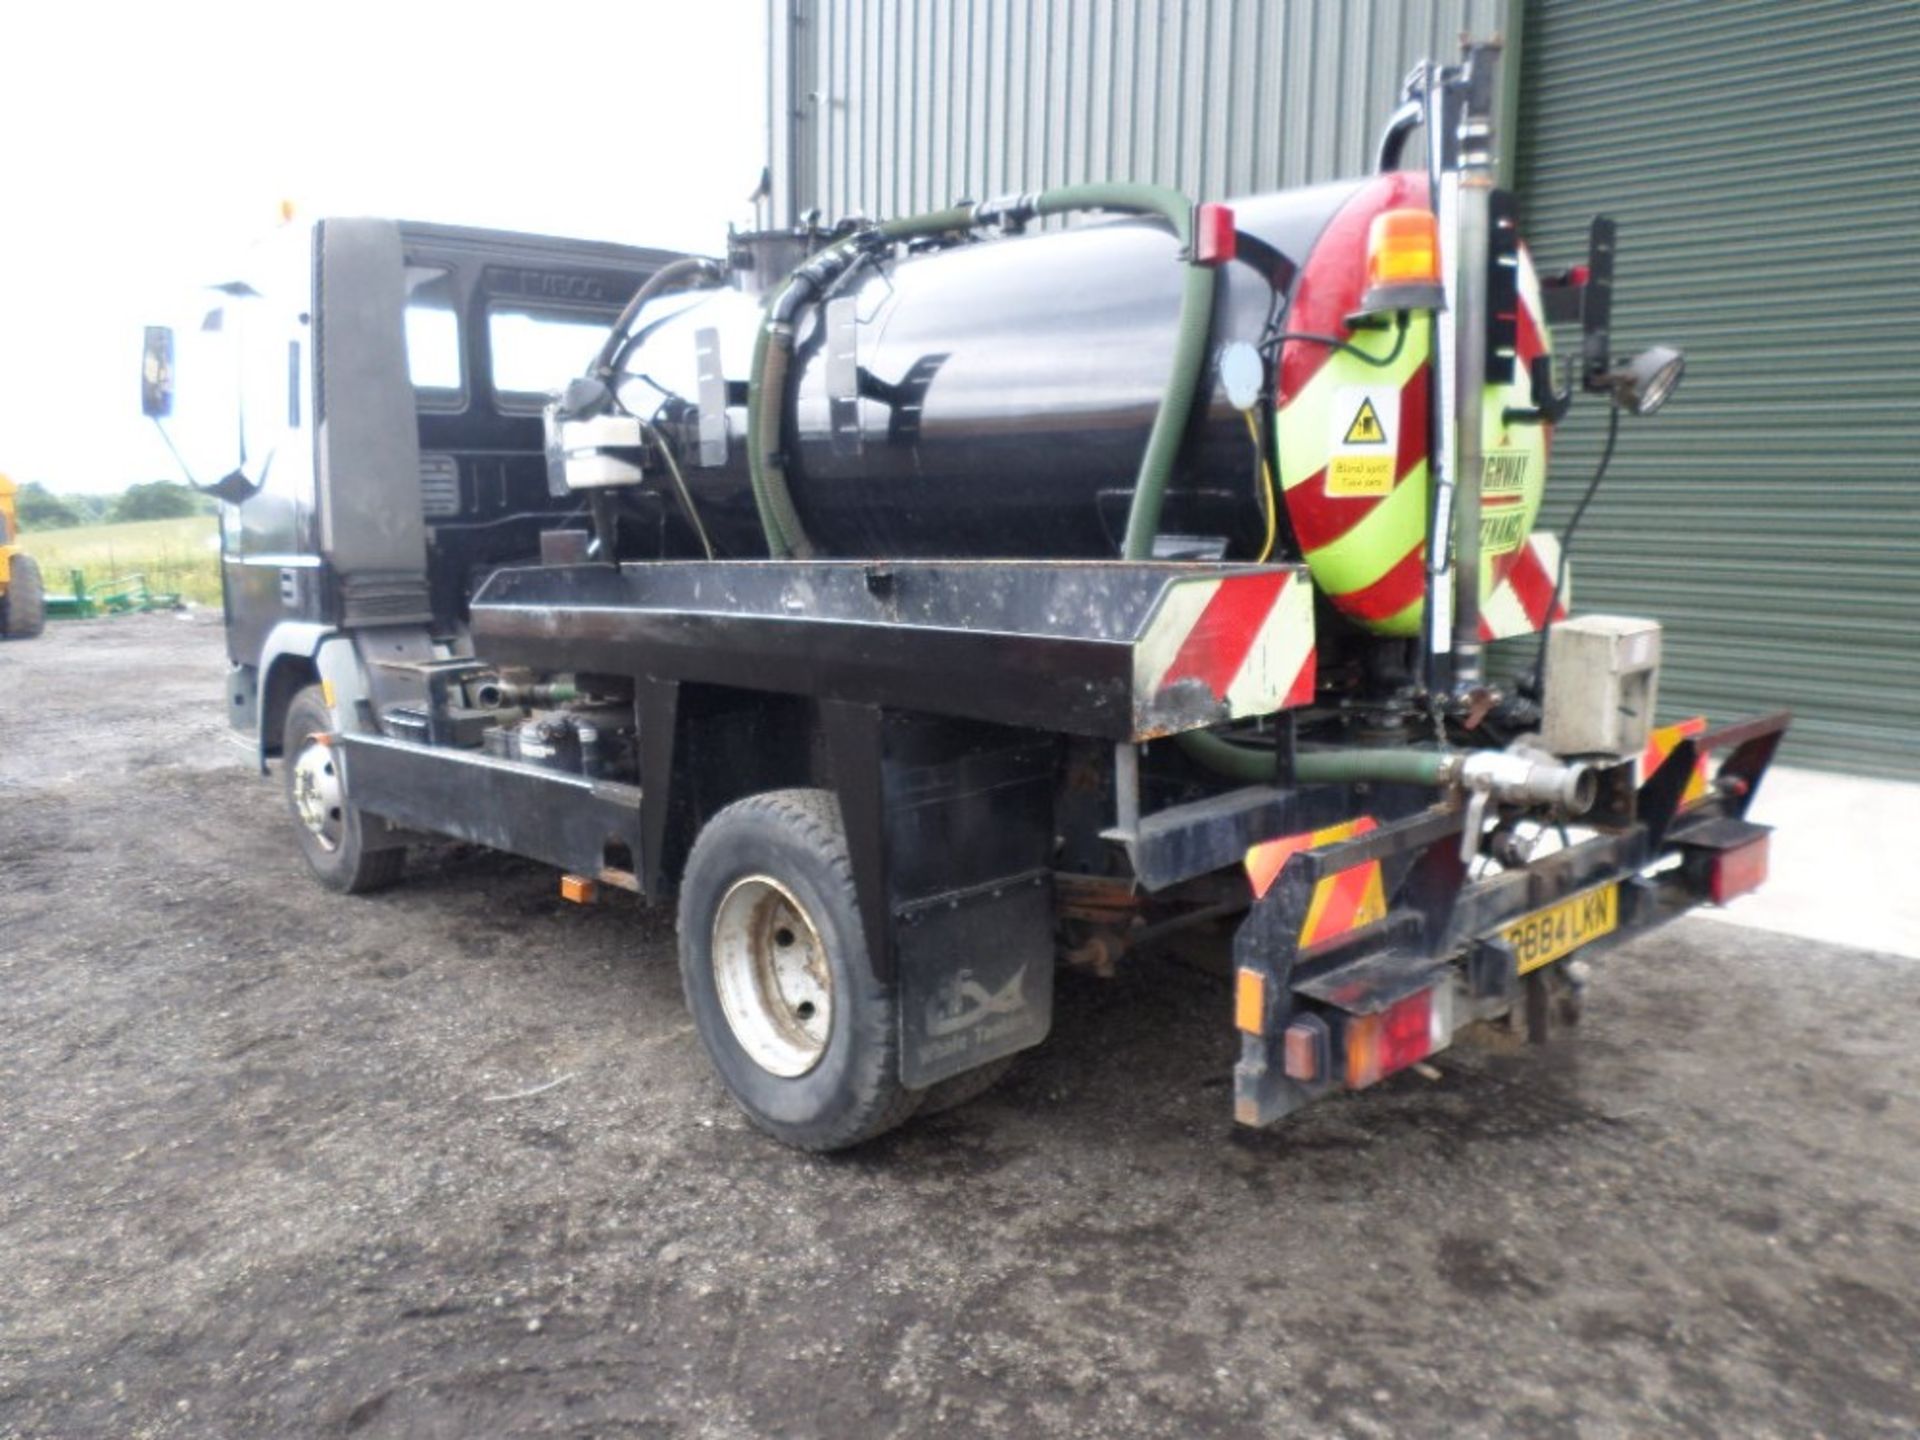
(258, 1177)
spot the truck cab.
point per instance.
(365, 396)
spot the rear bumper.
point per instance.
(1443, 934)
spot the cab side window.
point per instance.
(433, 339)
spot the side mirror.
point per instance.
(156, 373)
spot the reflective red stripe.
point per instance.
(1413, 423)
(1217, 645)
(1301, 691)
(1533, 587)
(1392, 592)
(1527, 342)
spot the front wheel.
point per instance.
(774, 962)
(331, 829)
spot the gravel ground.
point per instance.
(258, 1177)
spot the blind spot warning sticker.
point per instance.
(1366, 428)
(1365, 441)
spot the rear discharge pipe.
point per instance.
(1512, 776)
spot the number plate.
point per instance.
(1546, 935)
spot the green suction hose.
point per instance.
(773, 351)
(765, 469)
(1388, 767)
(1189, 344)
(773, 354)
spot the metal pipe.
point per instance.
(1516, 777)
(498, 694)
(1393, 140)
(1126, 787)
(1437, 613)
(1473, 226)
(674, 276)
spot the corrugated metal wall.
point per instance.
(1763, 161)
(887, 107)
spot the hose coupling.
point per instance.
(1523, 777)
(1518, 777)
(1009, 212)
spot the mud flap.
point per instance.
(976, 977)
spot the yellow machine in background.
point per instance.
(23, 599)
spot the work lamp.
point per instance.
(1648, 380)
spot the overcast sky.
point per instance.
(140, 145)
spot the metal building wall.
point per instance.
(1763, 161)
(886, 107)
(1760, 157)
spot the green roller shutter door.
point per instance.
(1763, 161)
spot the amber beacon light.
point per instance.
(1403, 263)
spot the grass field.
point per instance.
(180, 555)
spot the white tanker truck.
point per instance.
(929, 603)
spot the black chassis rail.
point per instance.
(1437, 921)
(569, 821)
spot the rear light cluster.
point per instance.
(1737, 871)
(1374, 1046)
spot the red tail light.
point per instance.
(1392, 1039)
(1737, 871)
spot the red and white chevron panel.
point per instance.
(1223, 648)
(1518, 604)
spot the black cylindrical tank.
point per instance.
(989, 399)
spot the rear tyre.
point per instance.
(331, 829)
(23, 614)
(774, 961)
(952, 1093)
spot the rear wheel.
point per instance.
(23, 613)
(331, 829)
(958, 1090)
(774, 961)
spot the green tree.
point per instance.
(39, 509)
(156, 500)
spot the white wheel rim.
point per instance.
(771, 970)
(317, 796)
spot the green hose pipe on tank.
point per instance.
(1189, 345)
(772, 355)
(773, 349)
